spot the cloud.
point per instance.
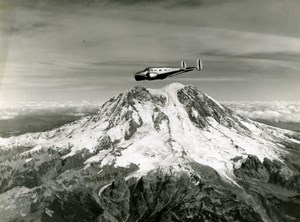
(185, 3)
(27, 109)
(277, 55)
(273, 111)
(213, 79)
(59, 51)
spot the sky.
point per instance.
(62, 50)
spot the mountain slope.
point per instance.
(170, 154)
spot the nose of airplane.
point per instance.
(140, 75)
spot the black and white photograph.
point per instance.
(149, 111)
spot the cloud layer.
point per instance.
(25, 109)
(272, 111)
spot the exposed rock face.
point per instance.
(172, 154)
(252, 168)
(161, 196)
(104, 142)
(269, 171)
(75, 206)
(159, 118)
(199, 106)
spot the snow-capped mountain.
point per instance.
(170, 154)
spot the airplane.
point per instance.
(153, 73)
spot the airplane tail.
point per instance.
(199, 65)
(183, 64)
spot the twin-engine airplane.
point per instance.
(152, 73)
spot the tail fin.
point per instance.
(183, 64)
(199, 64)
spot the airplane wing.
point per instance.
(175, 74)
(188, 69)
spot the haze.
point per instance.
(88, 50)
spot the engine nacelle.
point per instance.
(152, 75)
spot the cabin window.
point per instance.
(165, 69)
(160, 70)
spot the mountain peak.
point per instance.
(173, 87)
(168, 87)
(180, 124)
(172, 126)
(168, 92)
(142, 93)
(148, 153)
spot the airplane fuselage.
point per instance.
(153, 73)
(157, 73)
